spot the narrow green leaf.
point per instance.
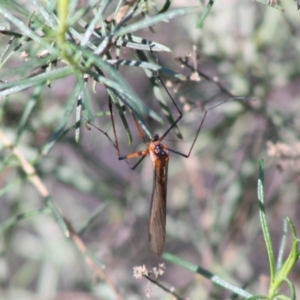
(92, 218)
(293, 256)
(204, 15)
(73, 8)
(93, 23)
(283, 297)
(95, 259)
(13, 6)
(166, 6)
(57, 215)
(49, 18)
(136, 46)
(100, 50)
(76, 14)
(146, 65)
(17, 86)
(12, 221)
(207, 274)
(136, 42)
(4, 59)
(282, 246)
(154, 20)
(292, 289)
(79, 108)
(26, 30)
(10, 33)
(120, 110)
(116, 82)
(60, 128)
(29, 68)
(258, 297)
(28, 110)
(136, 106)
(263, 220)
(121, 88)
(127, 98)
(157, 90)
(283, 273)
(12, 185)
(78, 118)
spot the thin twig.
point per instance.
(208, 78)
(41, 188)
(163, 287)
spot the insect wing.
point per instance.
(157, 223)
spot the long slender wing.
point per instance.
(157, 223)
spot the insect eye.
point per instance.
(155, 137)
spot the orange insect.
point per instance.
(159, 154)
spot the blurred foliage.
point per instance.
(55, 58)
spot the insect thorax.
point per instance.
(159, 150)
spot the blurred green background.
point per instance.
(212, 211)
